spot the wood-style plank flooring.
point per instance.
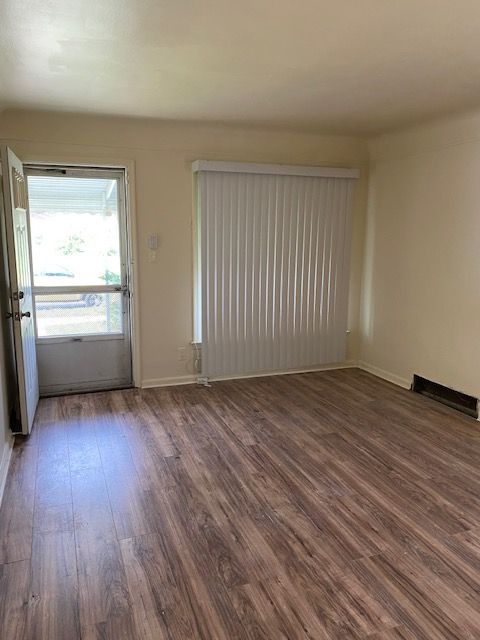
(318, 506)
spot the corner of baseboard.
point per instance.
(151, 383)
(5, 464)
(386, 375)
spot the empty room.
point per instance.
(240, 311)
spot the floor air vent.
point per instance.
(455, 399)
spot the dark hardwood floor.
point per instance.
(317, 506)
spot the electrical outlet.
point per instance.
(181, 354)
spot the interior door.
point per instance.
(18, 246)
(80, 278)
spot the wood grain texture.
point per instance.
(322, 506)
(16, 512)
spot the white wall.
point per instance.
(421, 291)
(162, 154)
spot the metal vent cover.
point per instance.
(455, 399)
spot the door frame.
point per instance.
(128, 167)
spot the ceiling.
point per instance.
(353, 66)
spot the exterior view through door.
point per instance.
(79, 255)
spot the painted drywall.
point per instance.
(347, 66)
(421, 292)
(162, 153)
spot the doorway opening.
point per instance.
(79, 255)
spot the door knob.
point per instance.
(18, 295)
(19, 316)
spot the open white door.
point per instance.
(17, 232)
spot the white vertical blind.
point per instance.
(273, 271)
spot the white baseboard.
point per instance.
(151, 383)
(285, 372)
(4, 464)
(386, 375)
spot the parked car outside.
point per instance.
(59, 276)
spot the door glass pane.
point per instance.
(75, 231)
(73, 314)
